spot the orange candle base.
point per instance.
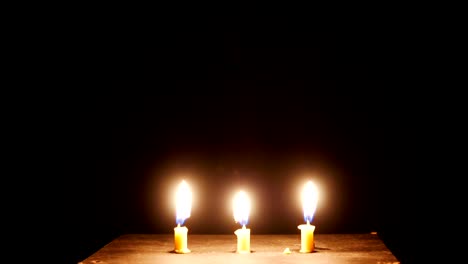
(307, 238)
(243, 240)
(180, 240)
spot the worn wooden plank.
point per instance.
(329, 248)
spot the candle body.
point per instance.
(180, 239)
(243, 240)
(307, 238)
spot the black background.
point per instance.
(261, 111)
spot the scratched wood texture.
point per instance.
(206, 249)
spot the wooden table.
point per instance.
(329, 248)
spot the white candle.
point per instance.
(309, 205)
(183, 209)
(241, 206)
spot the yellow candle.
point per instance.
(309, 205)
(183, 208)
(180, 239)
(307, 238)
(243, 240)
(241, 205)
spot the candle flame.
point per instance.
(183, 203)
(241, 205)
(309, 200)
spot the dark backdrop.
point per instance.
(259, 111)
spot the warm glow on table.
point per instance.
(183, 209)
(309, 205)
(241, 206)
(269, 249)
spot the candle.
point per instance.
(307, 237)
(180, 239)
(309, 204)
(183, 208)
(241, 205)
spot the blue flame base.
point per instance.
(180, 221)
(308, 218)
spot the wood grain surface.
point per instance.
(158, 248)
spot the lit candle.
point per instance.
(309, 204)
(183, 208)
(241, 205)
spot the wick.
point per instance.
(243, 227)
(308, 223)
(178, 225)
